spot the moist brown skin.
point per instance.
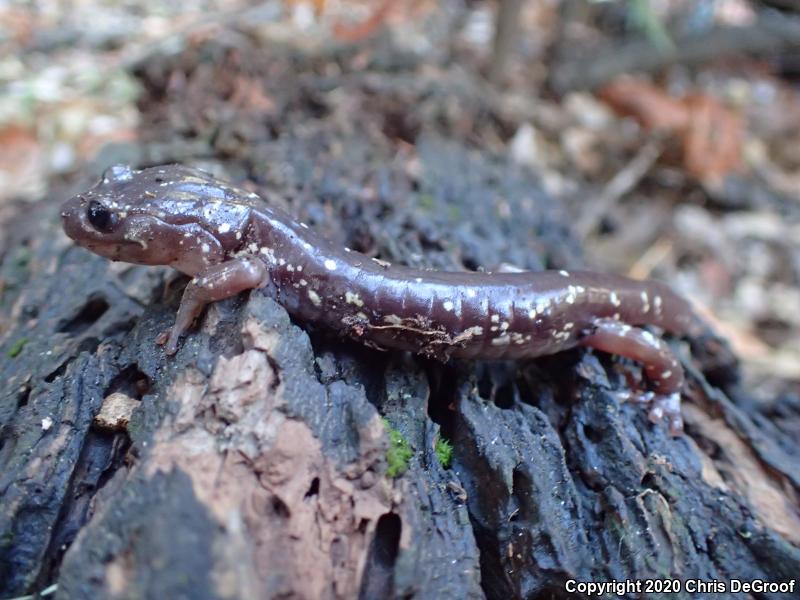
(229, 240)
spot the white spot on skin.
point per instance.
(649, 337)
(314, 297)
(532, 313)
(268, 253)
(503, 340)
(299, 268)
(346, 249)
(447, 305)
(495, 318)
(238, 235)
(493, 328)
(205, 248)
(307, 246)
(645, 302)
(393, 319)
(503, 325)
(473, 331)
(564, 273)
(471, 293)
(657, 304)
(330, 265)
(253, 247)
(352, 298)
(614, 299)
(224, 228)
(571, 295)
(187, 234)
(303, 282)
(666, 375)
(290, 268)
(47, 423)
(418, 279)
(303, 225)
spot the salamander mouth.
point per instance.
(73, 219)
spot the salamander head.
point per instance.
(168, 215)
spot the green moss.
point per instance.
(444, 452)
(399, 452)
(22, 258)
(426, 202)
(17, 347)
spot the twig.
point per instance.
(770, 34)
(622, 183)
(505, 36)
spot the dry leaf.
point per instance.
(360, 31)
(711, 135)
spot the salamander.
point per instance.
(229, 240)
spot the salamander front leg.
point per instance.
(662, 369)
(216, 282)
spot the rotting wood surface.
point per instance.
(253, 463)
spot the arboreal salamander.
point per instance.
(229, 240)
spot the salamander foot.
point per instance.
(663, 407)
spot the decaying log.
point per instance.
(253, 464)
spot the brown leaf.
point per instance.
(22, 162)
(711, 135)
(360, 31)
(650, 106)
(712, 140)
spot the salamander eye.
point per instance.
(100, 217)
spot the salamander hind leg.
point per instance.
(216, 282)
(660, 366)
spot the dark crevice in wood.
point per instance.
(87, 316)
(379, 573)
